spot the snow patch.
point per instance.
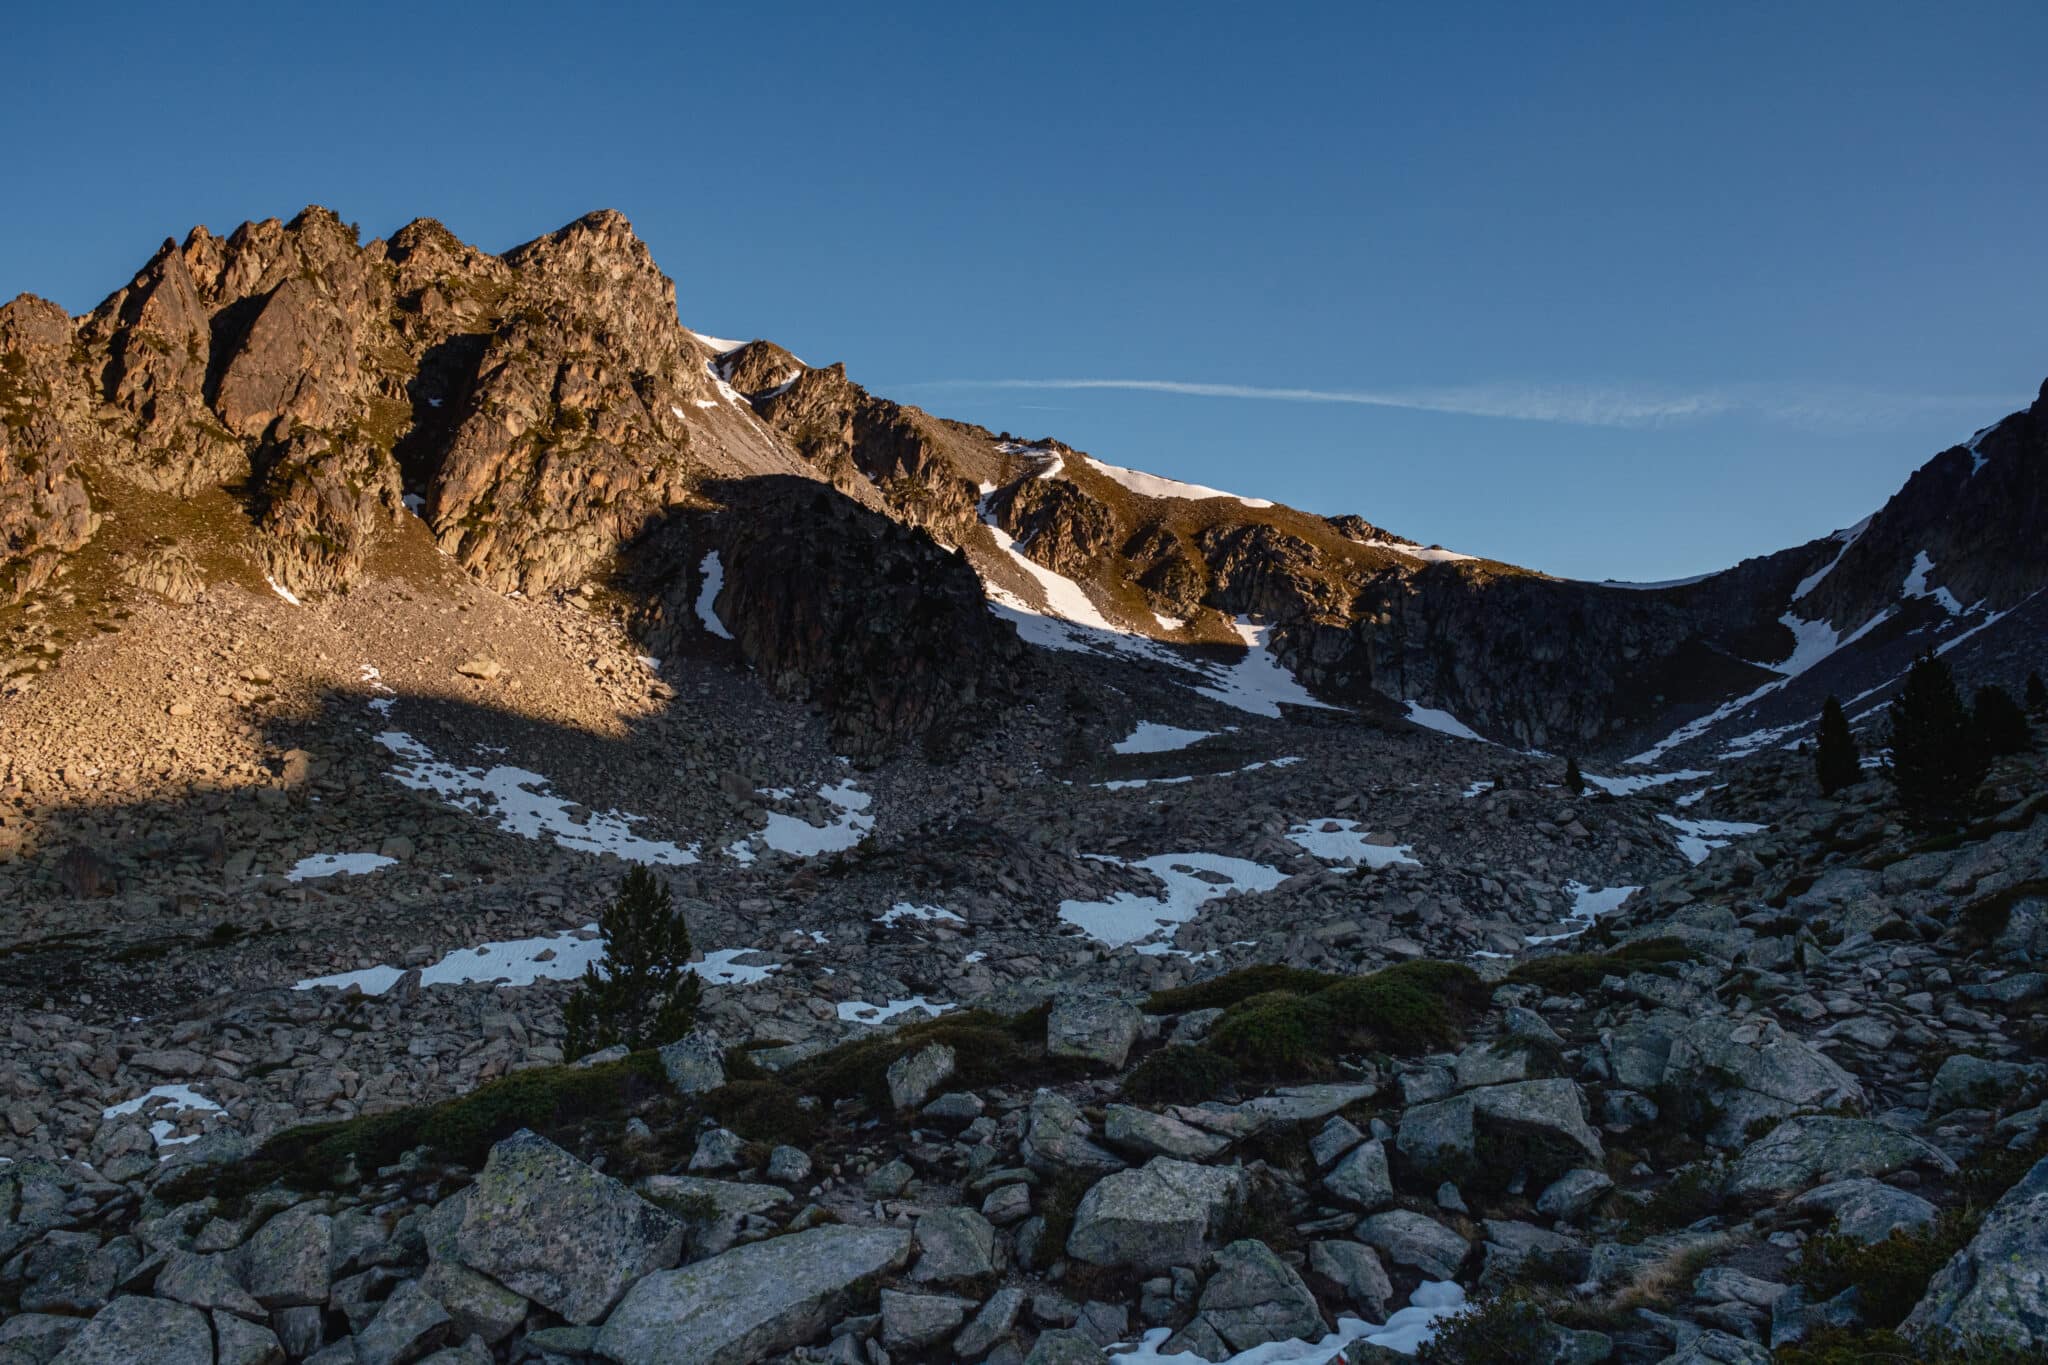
(1128, 783)
(929, 914)
(174, 1099)
(1659, 584)
(1697, 838)
(1848, 538)
(1191, 880)
(523, 961)
(1153, 486)
(1428, 554)
(1258, 683)
(1342, 841)
(1151, 738)
(519, 801)
(1916, 585)
(861, 1012)
(1813, 642)
(720, 345)
(1627, 786)
(1588, 905)
(336, 864)
(713, 571)
(792, 835)
(1430, 718)
(1405, 1332)
(282, 591)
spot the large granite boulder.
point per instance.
(750, 1302)
(954, 1244)
(1098, 1029)
(1728, 1071)
(132, 1329)
(1867, 1210)
(1413, 1239)
(1057, 1137)
(288, 1263)
(1164, 1214)
(1492, 1133)
(1811, 1150)
(1996, 1288)
(544, 1224)
(1255, 1297)
(913, 1077)
(1361, 1178)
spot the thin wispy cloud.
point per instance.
(1574, 405)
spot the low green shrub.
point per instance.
(1180, 1074)
(1277, 1036)
(1057, 1205)
(1391, 1014)
(1509, 1330)
(1892, 1274)
(1221, 992)
(1296, 1032)
(988, 1049)
(765, 1110)
(1692, 1192)
(1836, 1346)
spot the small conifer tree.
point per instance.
(645, 995)
(2037, 694)
(2000, 724)
(1836, 760)
(1574, 781)
(1936, 761)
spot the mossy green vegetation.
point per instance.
(1180, 1074)
(988, 1049)
(1572, 973)
(1284, 1024)
(1221, 992)
(557, 1101)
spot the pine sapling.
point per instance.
(641, 992)
(1836, 761)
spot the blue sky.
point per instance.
(1608, 290)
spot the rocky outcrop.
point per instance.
(44, 509)
(867, 619)
(926, 471)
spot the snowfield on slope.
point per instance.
(1127, 917)
(802, 839)
(519, 801)
(1155, 486)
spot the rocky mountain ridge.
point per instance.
(549, 417)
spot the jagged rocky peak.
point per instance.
(760, 368)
